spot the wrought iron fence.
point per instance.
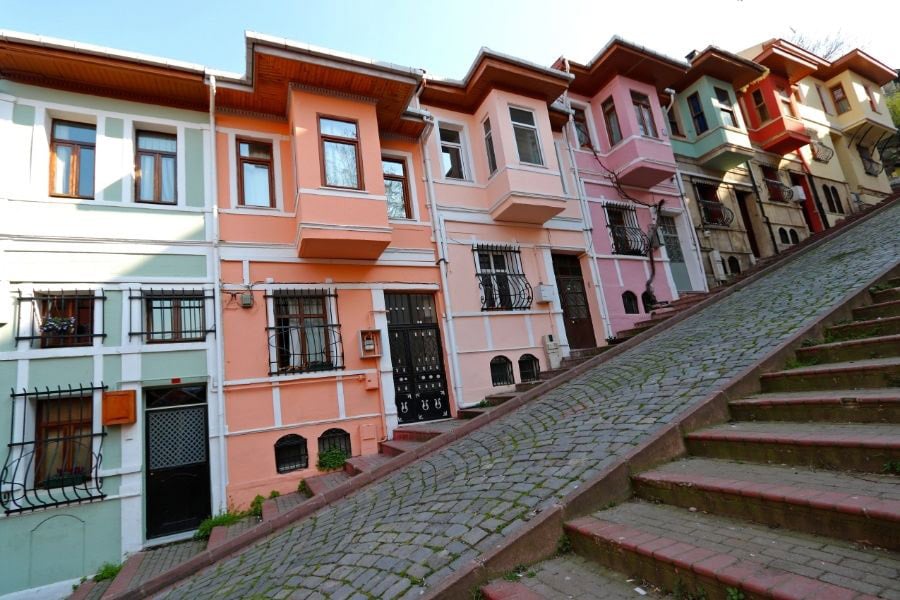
(872, 167)
(778, 191)
(305, 346)
(505, 291)
(631, 241)
(54, 455)
(716, 213)
(820, 152)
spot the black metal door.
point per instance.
(420, 385)
(573, 299)
(178, 487)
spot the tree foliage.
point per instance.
(830, 46)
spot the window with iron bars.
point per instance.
(170, 316)
(54, 453)
(59, 319)
(501, 278)
(306, 335)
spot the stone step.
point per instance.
(861, 329)
(845, 406)
(397, 447)
(872, 347)
(568, 576)
(867, 447)
(638, 329)
(886, 295)
(587, 352)
(368, 462)
(697, 555)
(471, 413)
(893, 282)
(422, 432)
(871, 373)
(275, 506)
(891, 308)
(527, 385)
(810, 500)
(551, 373)
(498, 399)
(319, 484)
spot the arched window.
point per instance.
(629, 300)
(734, 265)
(838, 205)
(501, 371)
(795, 237)
(783, 235)
(291, 453)
(335, 438)
(529, 368)
(828, 198)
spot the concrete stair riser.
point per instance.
(849, 410)
(863, 377)
(469, 413)
(777, 509)
(825, 455)
(861, 329)
(414, 436)
(878, 347)
(878, 311)
(524, 387)
(886, 295)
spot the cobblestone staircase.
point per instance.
(797, 497)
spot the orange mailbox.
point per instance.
(119, 407)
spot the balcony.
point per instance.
(641, 162)
(781, 135)
(342, 224)
(305, 348)
(525, 196)
(778, 192)
(715, 213)
(630, 241)
(872, 167)
(820, 152)
(723, 149)
(504, 291)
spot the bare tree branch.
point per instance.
(829, 46)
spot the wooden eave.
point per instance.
(626, 60)
(712, 62)
(73, 70)
(861, 63)
(494, 73)
(787, 63)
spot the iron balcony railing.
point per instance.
(778, 191)
(631, 241)
(716, 213)
(820, 152)
(305, 347)
(872, 167)
(504, 291)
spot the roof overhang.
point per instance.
(861, 63)
(789, 60)
(722, 65)
(495, 71)
(620, 57)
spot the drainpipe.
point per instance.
(762, 209)
(588, 229)
(217, 295)
(439, 232)
(679, 183)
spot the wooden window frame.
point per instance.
(404, 181)
(301, 317)
(826, 107)
(270, 164)
(489, 148)
(786, 102)
(700, 114)
(609, 108)
(644, 114)
(325, 137)
(177, 331)
(72, 307)
(837, 103)
(157, 168)
(762, 109)
(67, 441)
(674, 120)
(76, 160)
(872, 103)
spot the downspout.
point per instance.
(588, 229)
(217, 294)
(762, 208)
(439, 234)
(679, 183)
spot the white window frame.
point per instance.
(493, 148)
(463, 146)
(537, 135)
(407, 159)
(585, 108)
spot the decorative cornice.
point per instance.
(238, 112)
(333, 93)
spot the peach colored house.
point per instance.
(509, 224)
(331, 312)
(626, 171)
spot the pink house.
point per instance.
(627, 174)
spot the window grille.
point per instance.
(168, 316)
(501, 278)
(627, 237)
(501, 371)
(820, 152)
(529, 368)
(304, 338)
(59, 318)
(335, 439)
(291, 453)
(54, 453)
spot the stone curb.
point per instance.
(123, 579)
(83, 590)
(304, 509)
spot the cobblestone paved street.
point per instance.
(418, 525)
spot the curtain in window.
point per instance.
(340, 164)
(62, 170)
(167, 185)
(256, 184)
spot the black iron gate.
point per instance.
(178, 486)
(420, 385)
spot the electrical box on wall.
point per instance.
(246, 300)
(546, 292)
(370, 343)
(119, 407)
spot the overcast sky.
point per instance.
(443, 37)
